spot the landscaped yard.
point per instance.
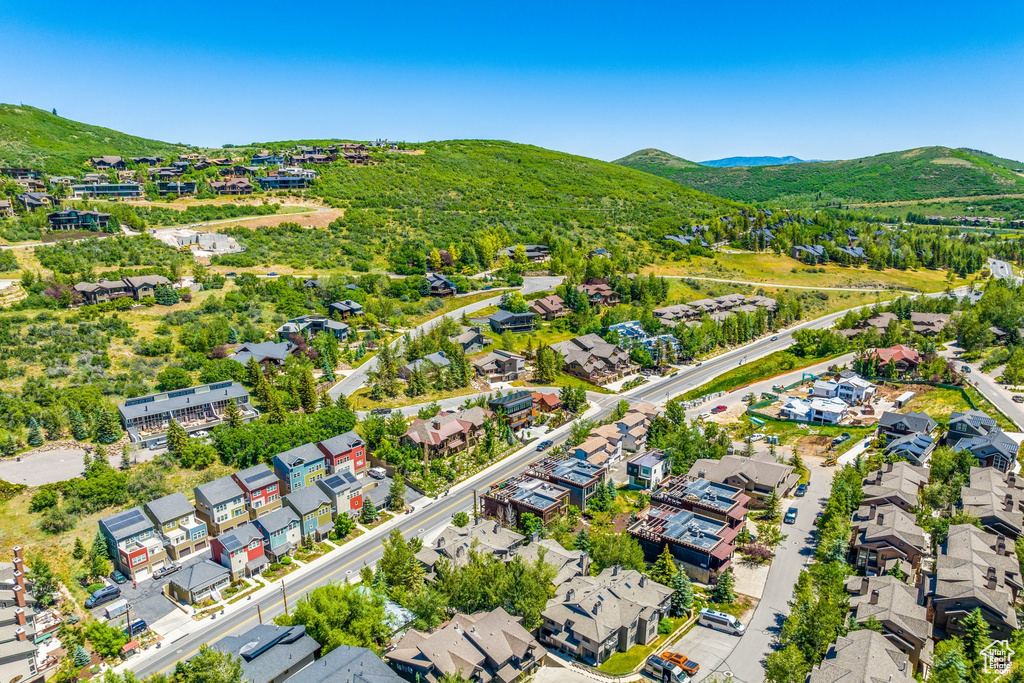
(621, 663)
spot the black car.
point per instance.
(103, 595)
(118, 577)
(801, 490)
(790, 517)
(166, 570)
(380, 411)
(544, 444)
(138, 626)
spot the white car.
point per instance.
(755, 437)
(377, 472)
(199, 435)
(704, 416)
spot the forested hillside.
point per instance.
(914, 174)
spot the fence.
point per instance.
(693, 403)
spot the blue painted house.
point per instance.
(300, 467)
(315, 510)
(281, 533)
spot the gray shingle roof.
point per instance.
(277, 520)
(219, 491)
(342, 442)
(862, 657)
(307, 499)
(268, 651)
(307, 452)
(200, 575)
(169, 508)
(256, 476)
(347, 664)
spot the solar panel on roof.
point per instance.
(126, 519)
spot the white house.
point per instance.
(850, 389)
(825, 410)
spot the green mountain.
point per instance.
(915, 174)
(39, 139)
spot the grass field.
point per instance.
(361, 400)
(776, 269)
(771, 365)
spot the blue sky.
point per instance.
(700, 80)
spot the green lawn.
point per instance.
(621, 663)
(771, 365)
(361, 400)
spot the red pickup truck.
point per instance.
(718, 409)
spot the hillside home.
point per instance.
(221, 504)
(345, 309)
(506, 321)
(311, 325)
(894, 605)
(234, 186)
(809, 253)
(299, 467)
(440, 285)
(133, 543)
(176, 188)
(446, 432)
(929, 324)
(470, 340)
(533, 252)
(36, 200)
(240, 551)
(344, 453)
(261, 488)
(514, 409)
(500, 366)
(426, 364)
(593, 359)
(894, 425)
(78, 219)
(600, 294)
(108, 163)
(181, 531)
(549, 307)
(124, 190)
(198, 408)
(905, 359)
(283, 182)
(265, 353)
(281, 532)
(6, 209)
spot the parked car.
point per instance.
(380, 411)
(790, 517)
(116, 609)
(756, 436)
(665, 671)
(377, 472)
(817, 517)
(720, 621)
(232, 274)
(138, 626)
(682, 661)
(718, 409)
(271, 274)
(199, 435)
(544, 445)
(703, 416)
(118, 577)
(965, 368)
(801, 490)
(1018, 398)
(102, 596)
(166, 570)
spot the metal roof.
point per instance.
(126, 524)
(155, 404)
(256, 476)
(169, 507)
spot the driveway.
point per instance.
(61, 464)
(988, 386)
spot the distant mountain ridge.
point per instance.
(730, 162)
(908, 175)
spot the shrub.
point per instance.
(93, 587)
(664, 627)
(286, 560)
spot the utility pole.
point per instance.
(284, 594)
(259, 613)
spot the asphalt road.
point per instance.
(1001, 270)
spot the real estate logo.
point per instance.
(998, 657)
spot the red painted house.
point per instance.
(240, 551)
(262, 490)
(344, 452)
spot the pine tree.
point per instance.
(10, 446)
(253, 372)
(582, 540)
(79, 552)
(328, 371)
(397, 492)
(108, 425)
(99, 547)
(81, 656)
(177, 441)
(275, 411)
(35, 437)
(126, 461)
(341, 403)
(724, 590)
(79, 431)
(771, 506)
(682, 598)
(664, 568)
(976, 636)
(233, 414)
(325, 401)
(86, 460)
(307, 393)
(368, 515)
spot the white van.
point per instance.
(377, 472)
(117, 609)
(720, 621)
(666, 672)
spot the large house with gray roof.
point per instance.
(344, 452)
(485, 647)
(133, 543)
(581, 477)
(314, 509)
(240, 551)
(895, 606)
(281, 533)
(757, 476)
(591, 358)
(147, 418)
(702, 547)
(198, 581)
(182, 532)
(995, 498)
(261, 488)
(481, 535)
(978, 433)
(863, 657)
(221, 504)
(269, 653)
(510, 499)
(887, 537)
(592, 617)
(898, 483)
(347, 664)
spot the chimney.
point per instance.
(1008, 503)
(878, 478)
(19, 595)
(874, 597)
(1011, 478)
(497, 527)
(701, 474)
(20, 635)
(19, 616)
(597, 607)
(643, 580)
(1001, 544)
(880, 519)
(18, 554)
(888, 467)
(991, 577)
(615, 570)
(440, 542)
(864, 583)
(872, 511)
(534, 537)
(19, 565)
(570, 594)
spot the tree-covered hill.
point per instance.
(39, 139)
(915, 174)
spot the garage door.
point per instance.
(157, 565)
(201, 545)
(185, 552)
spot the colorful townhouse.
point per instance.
(132, 543)
(344, 452)
(261, 489)
(314, 508)
(240, 551)
(221, 504)
(281, 534)
(345, 492)
(300, 467)
(183, 534)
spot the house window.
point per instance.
(254, 544)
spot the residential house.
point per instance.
(198, 581)
(344, 453)
(199, 408)
(895, 425)
(440, 285)
(487, 647)
(852, 390)
(975, 431)
(671, 316)
(809, 253)
(261, 488)
(546, 403)
(974, 570)
(863, 657)
(481, 535)
(281, 532)
(647, 470)
(823, 410)
(515, 409)
(283, 182)
(426, 364)
(234, 186)
(312, 325)
(719, 502)
(266, 158)
(345, 492)
(915, 448)
(345, 309)
(240, 551)
(898, 483)
(104, 290)
(176, 188)
(756, 476)
(508, 500)
(108, 163)
(600, 294)
(593, 359)
(183, 534)
(221, 504)
(21, 173)
(506, 321)
(500, 366)
(598, 450)
(592, 617)
(894, 605)
(300, 467)
(19, 631)
(6, 209)
(887, 537)
(133, 543)
(855, 253)
(996, 499)
(905, 359)
(125, 190)
(929, 324)
(142, 286)
(314, 508)
(633, 426)
(470, 340)
(549, 307)
(599, 253)
(265, 353)
(147, 161)
(701, 546)
(579, 476)
(269, 653)
(36, 200)
(446, 432)
(78, 219)
(347, 664)
(534, 252)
